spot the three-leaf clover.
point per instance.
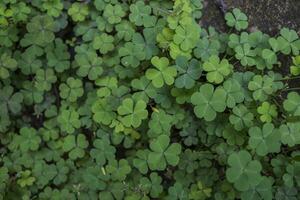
(290, 134)
(103, 151)
(243, 172)
(103, 112)
(295, 68)
(267, 112)
(292, 104)
(163, 153)
(113, 14)
(75, 145)
(28, 139)
(265, 140)
(188, 72)
(289, 41)
(90, 65)
(104, 43)
(241, 117)
(208, 101)
(45, 79)
(71, 90)
(78, 11)
(236, 19)
(217, 70)
(69, 120)
(162, 73)
(262, 87)
(140, 14)
(7, 65)
(132, 113)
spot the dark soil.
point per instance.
(268, 16)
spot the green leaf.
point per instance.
(75, 145)
(208, 102)
(264, 140)
(163, 153)
(217, 70)
(71, 90)
(289, 134)
(267, 112)
(113, 14)
(241, 117)
(7, 65)
(132, 112)
(103, 151)
(140, 14)
(236, 19)
(292, 104)
(243, 172)
(104, 43)
(68, 121)
(162, 73)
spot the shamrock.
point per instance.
(152, 185)
(243, 172)
(292, 104)
(265, 140)
(103, 112)
(286, 193)
(40, 31)
(25, 178)
(131, 54)
(199, 191)
(68, 121)
(295, 68)
(140, 14)
(7, 65)
(160, 123)
(103, 151)
(71, 90)
(31, 94)
(291, 177)
(289, 41)
(234, 93)
(10, 101)
(58, 56)
(144, 89)
(28, 139)
(290, 134)
(163, 153)
(75, 145)
(206, 48)
(44, 79)
(186, 36)
(217, 70)
(236, 19)
(113, 14)
(53, 8)
(140, 161)
(188, 72)
(262, 86)
(267, 111)
(118, 170)
(132, 112)
(208, 102)
(78, 11)
(29, 63)
(104, 43)
(163, 74)
(269, 56)
(241, 117)
(125, 30)
(90, 65)
(263, 190)
(245, 54)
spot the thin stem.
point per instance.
(288, 78)
(289, 89)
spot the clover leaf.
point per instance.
(217, 69)
(152, 185)
(90, 65)
(131, 54)
(71, 90)
(132, 113)
(261, 191)
(103, 112)
(163, 153)
(245, 54)
(208, 102)
(75, 146)
(234, 93)
(262, 86)
(113, 14)
(264, 140)
(7, 66)
(140, 14)
(243, 172)
(241, 117)
(28, 139)
(103, 151)
(104, 43)
(162, 73)
(45, 79)
(186, 36)
(267, 112)
(295, 68)
(289, 134)
(236, 19)
(206, 48)
(10, 101)
(140, 161)
(291, 104)
(289, 41)
(188, 72)
(118, 169)
(68, 120)
(78, 11)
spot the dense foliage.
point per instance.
(134, 100)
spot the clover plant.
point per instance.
(136, 100)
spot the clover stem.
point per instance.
(289, 89)
(288, 78)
